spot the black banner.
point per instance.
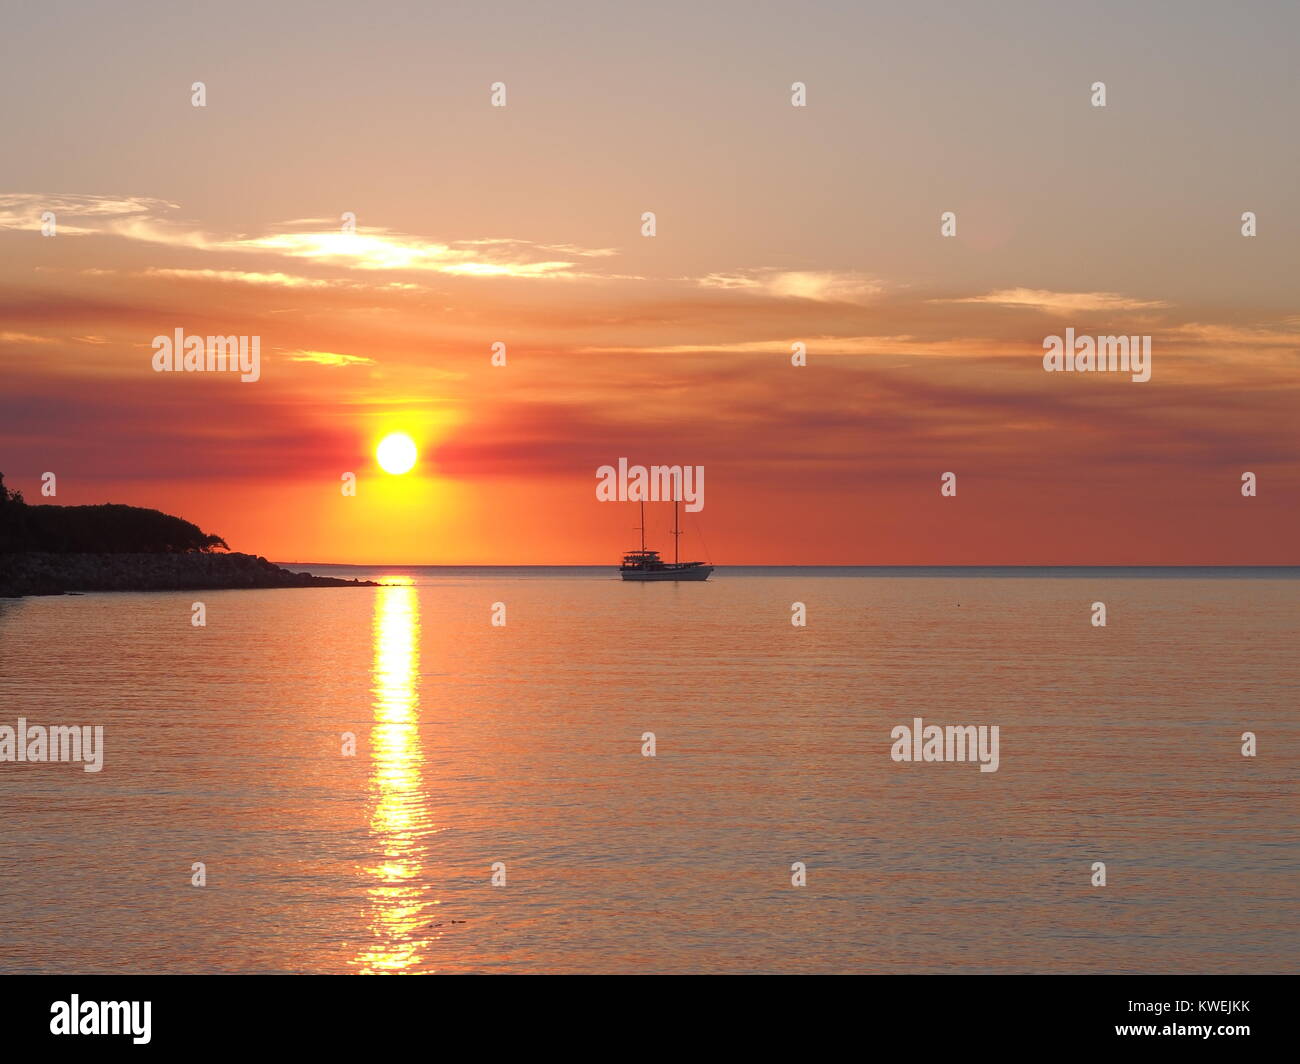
(1229, 1016)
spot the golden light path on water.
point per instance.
(398, 895)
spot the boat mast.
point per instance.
(643, 526)
(677, 540)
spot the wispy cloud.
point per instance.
(314, 240)
(1059, 302)
(281, 280)
(1224, 335)
(814, 345)
(382, 249)
(23, 210)
(330, 358)
(823, 286)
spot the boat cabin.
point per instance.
(642, 559)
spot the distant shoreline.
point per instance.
(24, 574)
(768, 565)
(1282, 571)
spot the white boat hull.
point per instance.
(694, 572)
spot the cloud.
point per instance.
(1237, 335)
(562, 249)
(1059, 302)
(23, 210)
(814, 345)
(318, 240)
(330, 358)
(381, 249)
(823, 286)
(282, 280)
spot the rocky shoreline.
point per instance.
(55, 574)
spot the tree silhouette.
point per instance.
(109, 528)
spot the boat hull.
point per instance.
(695, 572)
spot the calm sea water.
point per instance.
(522, 744)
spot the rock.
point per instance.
(35, 573)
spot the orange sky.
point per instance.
(775, 226)
(834, 462)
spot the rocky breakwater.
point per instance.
(36, 573)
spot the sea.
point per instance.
(547, 770)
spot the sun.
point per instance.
(396, 453)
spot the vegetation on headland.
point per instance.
(47, 550)
(109, 528)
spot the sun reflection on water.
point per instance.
(399, 896)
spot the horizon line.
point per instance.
(801, 565)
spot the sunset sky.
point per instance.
(775, 225)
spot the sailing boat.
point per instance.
(647, 565)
